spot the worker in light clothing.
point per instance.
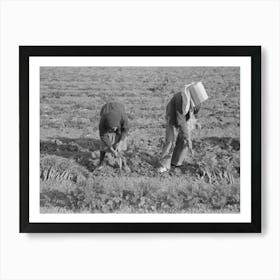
(180, 121)
(113, 129)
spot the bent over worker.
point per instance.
(180, 120)
(113, 129)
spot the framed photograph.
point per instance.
(140, 139)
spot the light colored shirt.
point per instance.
(186, 95)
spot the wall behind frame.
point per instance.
(149, 256)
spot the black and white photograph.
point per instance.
(141, 135)
(139, 139)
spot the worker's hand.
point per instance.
(116, 147)
(190, 147)
(198, 126)
(188, 143)
(114, 152)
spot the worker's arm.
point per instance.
(109, 144)
(181, 118)
(113, 151)
(196, 110)
(123, 131)
(105, 137)
(124, 126)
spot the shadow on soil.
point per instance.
(85, 151)
(82, 150)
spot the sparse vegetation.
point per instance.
(70, 102)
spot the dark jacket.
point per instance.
(113, 115)
(175, 115)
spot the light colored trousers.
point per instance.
(175, 148)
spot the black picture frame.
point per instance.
(25, 52)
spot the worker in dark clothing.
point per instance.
(180, 121)
(113, 129)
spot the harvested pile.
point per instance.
(138, 195)
(58, 168)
